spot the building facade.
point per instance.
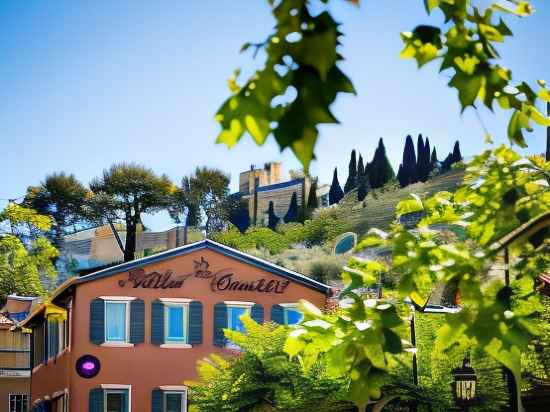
(134, 333)
(15, 371)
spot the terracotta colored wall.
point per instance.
(147, 366)
(51, 377)
(14, 386)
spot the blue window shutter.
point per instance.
(97, 321)
(137, 321)
(195, 322)
(157, 323)
(278, 314)
(257, 313)
(96, 400)
(156, 401)
(220, 323)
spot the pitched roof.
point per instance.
(180, 251)
(5, 321)
(215, 246)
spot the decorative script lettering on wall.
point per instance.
(222, 280)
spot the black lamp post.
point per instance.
(464, 385)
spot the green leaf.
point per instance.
(409, 206)
(431, 4)
(468, 87)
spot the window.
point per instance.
(234, 314)
(175, 402)
(53, 338)
(18, 403)
(292, 315)
(116, 321)
(176, 323)
(116, 400)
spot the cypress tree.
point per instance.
(402, 177)
(351, 183)
(360, 169)
(446, 165)
(272, 218)
(420, 157)
(409, 162)
(335, 193)
(362, 188)
(292, 213)
(312, 202)
(457, 156)
(433, 159)
(380, 170)
(427, 162)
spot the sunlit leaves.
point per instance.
(302, 55)
(467, 49)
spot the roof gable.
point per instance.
(217, 247)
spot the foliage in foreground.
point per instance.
(501, 192)
(24, 257)
(302, 54)
(263, 378)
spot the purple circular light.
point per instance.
(87, 366)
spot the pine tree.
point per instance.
(362, 188)
(409, 162)
(272, 218)
(312, 201)
(433, 159)
(402, 177)
(447, 163)
(457, 156)
(427, 162)
(420, 157)
(292, 213)
(380, 170)
(335, 193)
(351, 183)
(360, 169)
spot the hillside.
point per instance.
(379, 211)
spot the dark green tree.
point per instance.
(433, 159)
(427, 160)
(410, 174)
(211, 187)
(238, 212)
(129, 190)
(457, 156)
(62, 197)
(362, 188)
(335, 193)
(292, 213)
(312, 201)
(419, 156)
(402, 177)
(360, 168)
(380, 170)
(447, 163)
(184, 209)
(351, 182)
(272, 218)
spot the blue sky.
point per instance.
(87, 84)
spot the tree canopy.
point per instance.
(24, 257)
(128, 190)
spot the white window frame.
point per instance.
(182, 392)
(286, 308)
(236, 304)
(114, 388)
(23, 395)
(126, 341)
(185, 307)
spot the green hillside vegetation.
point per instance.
(378, 209)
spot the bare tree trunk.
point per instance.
(130, 247)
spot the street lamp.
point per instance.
(464, 385)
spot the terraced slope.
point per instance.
(379, 210)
